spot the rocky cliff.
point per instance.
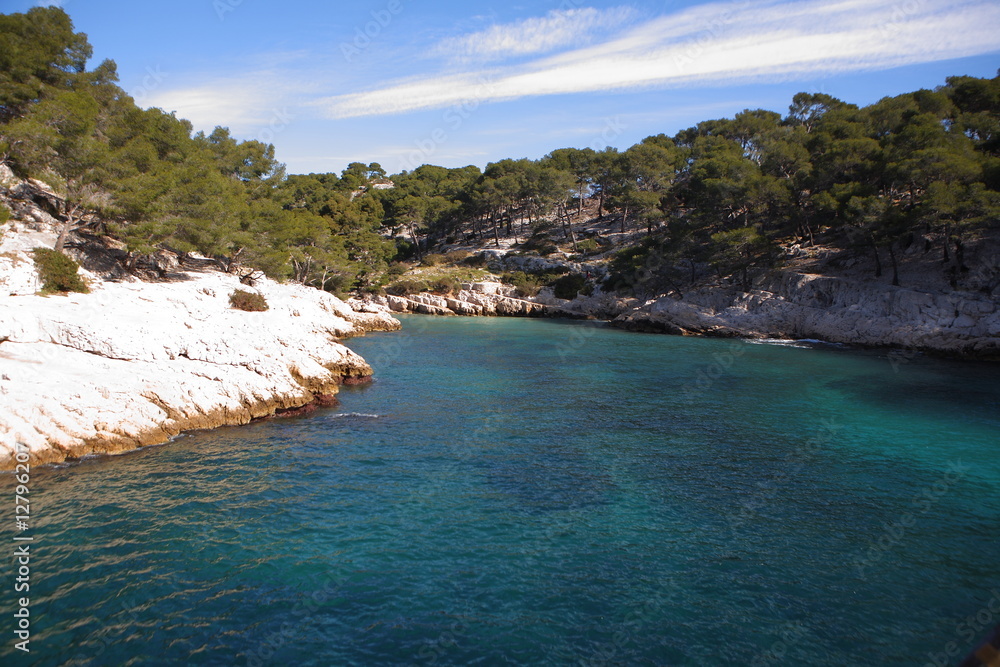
(789, 304)
(476, 299)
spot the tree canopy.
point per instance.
(723, 192)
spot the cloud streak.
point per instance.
(557, 29)
(720, 43)
(245, 103)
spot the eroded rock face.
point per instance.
(134, 364)
(473, 303)
(796, 305)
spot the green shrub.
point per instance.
(407, 286)
(446, 286)
(4, 214)
(526, 284)
(475, 260)
(58, 272)
(587, 245)
(433, 259)
(248, 301)
(569, 286)
(540, 243)
(456, 256)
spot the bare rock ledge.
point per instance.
(134, 364)
(838, 310)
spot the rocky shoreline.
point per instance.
(135, 364)
(795, 305)
(485, 299)
(785, 304)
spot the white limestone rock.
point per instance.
(133, 364)
(796, 305)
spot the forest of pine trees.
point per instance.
(920, 165)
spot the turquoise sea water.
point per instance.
(543, 492)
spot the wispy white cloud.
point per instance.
(247, 103)
(711, 44)
(559, 28)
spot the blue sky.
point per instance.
(468, 82)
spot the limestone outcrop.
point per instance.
(798, 305)
(134, 364)
(475, 299)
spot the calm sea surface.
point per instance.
(543, 492)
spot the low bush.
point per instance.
(587, 246)
(58, 272)
(248, 301)
(407, 286)
(541, 244)
(456, 256)
(475, 260)
(446, 286)
(525, 283)
(433, 259)
(569, 286)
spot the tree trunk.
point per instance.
(624, 217)
(569, 225)
(496, 230)
(572, 235)
(233, 261)
(806, 231)
(895, 268)
(66, 226)
(947, 240)
(878, 260)
(416, 243)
